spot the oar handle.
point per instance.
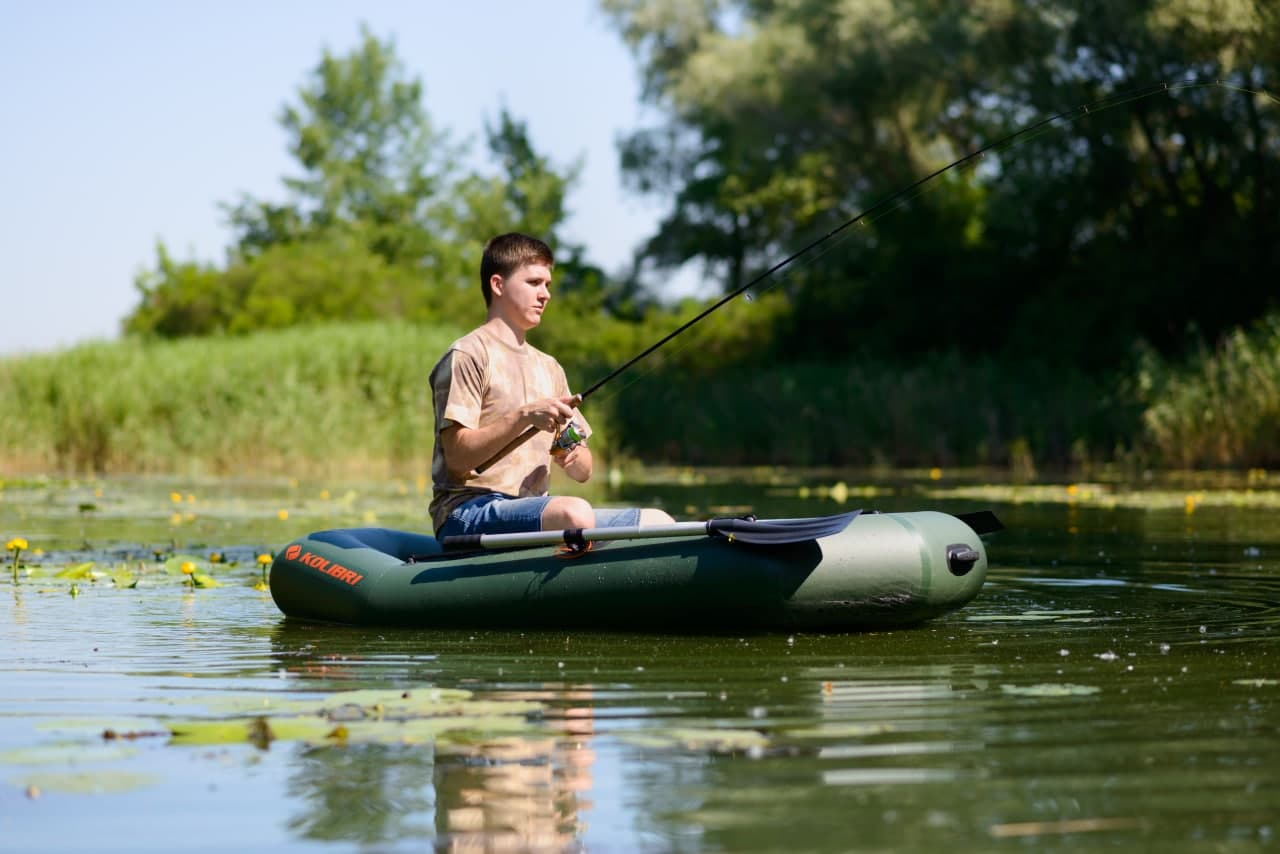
(518, 441)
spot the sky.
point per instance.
(128, 122)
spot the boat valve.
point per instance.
(961, 557)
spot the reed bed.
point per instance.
(1223, 407)
(355, 399)
(340, 397)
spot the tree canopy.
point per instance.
(781, 118)
(381, 220)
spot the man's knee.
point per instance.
(566, 511)
(654, 516)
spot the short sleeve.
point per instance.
(457, 388)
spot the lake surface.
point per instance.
(1116, 684)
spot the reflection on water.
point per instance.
(478, 793)
(1117, 683)
(519, 794)
(365, 794)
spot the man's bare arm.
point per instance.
(467, 447)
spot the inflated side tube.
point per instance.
(884, 570)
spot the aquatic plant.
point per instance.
(264, 561)
(1220, 407)
(193, 577)
(16, 545)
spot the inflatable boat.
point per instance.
(854, 571)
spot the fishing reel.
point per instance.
(569, 437)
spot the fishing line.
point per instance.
(903, 196)
(889, 204)
(835, 237)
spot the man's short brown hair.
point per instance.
(506, 253)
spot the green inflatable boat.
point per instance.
(854, 571)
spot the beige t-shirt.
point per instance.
(478, 379)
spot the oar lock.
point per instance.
(961, 557)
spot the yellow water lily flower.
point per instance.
(264, 559)
(283, 515)
(188, 568)
(16, 544)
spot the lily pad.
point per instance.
(80, 572)
(1050, 689)
(71, 753)
(99, 726)
(702, 740)
(86, 782)
(369, 716)
(418, 702)
(1065, 616)
(459, 730)
(841, 730)
(259, 731)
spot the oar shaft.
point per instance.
(553, 538)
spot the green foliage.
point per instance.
(287, 284)
(371, 159)
(780, 118)
(315, 397)
(381, 223)
(1220, 408)
(354, 397)
(945, 411)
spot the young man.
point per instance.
(490, 387)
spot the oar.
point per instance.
(756, 531)
(981, 521)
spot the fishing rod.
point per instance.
(1099, 105)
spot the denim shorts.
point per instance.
(501, 514)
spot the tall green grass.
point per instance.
(355, 399)
(1220, 409)
(342, 396)
(945, 411)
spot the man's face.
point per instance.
(522, 296)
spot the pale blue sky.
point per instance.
(129, 121)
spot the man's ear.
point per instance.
(496, 284)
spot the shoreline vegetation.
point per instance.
(353, 399)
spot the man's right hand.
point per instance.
(548, 414)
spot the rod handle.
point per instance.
(506, 449)
(517, 442)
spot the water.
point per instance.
(1117, 683)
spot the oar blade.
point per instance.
(982, 521)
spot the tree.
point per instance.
(370, 157)
(780, 118)
(380, 221)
